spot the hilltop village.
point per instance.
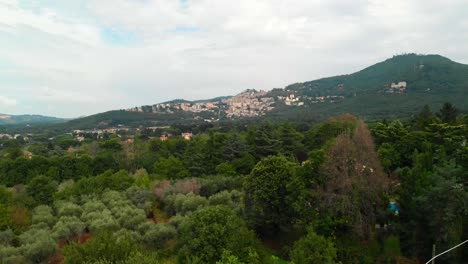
(250, 103)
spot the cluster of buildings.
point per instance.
(248, 104)
(291, 99)
(324, 99)
(81, 135)
(199, 107)
(8, 136)
(399, 87)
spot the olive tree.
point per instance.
(158, 234)
(211, 230)
(37, 245)
(68, 228)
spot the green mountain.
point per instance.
(27, 119)
(430, 79)
(369, 94)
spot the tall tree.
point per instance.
(448, 113)
(42, 189)
(424, 118)
(271, 191)
(354, 181)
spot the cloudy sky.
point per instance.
(79, 57)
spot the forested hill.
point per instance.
(26, 119)
(417, 79)
(421, 72)
(397, 87)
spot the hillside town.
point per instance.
(250, 103)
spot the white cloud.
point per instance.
(206, 48)
(6, 102)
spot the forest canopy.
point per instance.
(339, 191)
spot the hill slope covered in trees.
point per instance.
(397, 87)
(425, 79)
(26, 119)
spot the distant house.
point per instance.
(397, 87)
(187, 136)
(5, 136)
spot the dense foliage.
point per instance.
(331, 192)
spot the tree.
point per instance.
(354, 182)
(263, 140)
(158, 234)
(5, 221)
(448, 113)
(20, 218)
(69, 228)
(102, 247)
(433, 209)
(37, 245)
(424, 118)
(209, 231)
(14, 153)
(234, 148)
(42, 189)
(291, 141)
(6, 237)
(313, 249)
(226, 168)
(172, 168)
(68, 209)
(228, 258)
(43, 214)
(271, 191)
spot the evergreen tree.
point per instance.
(448, 113)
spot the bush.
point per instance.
(103, 222)
(214, 184)
(68, 228)
(140, 197)
(10, 255)
(127, 234)
(37, 245)
(68, 209)
(43, 214)
(183, 204)
(177, 221)
(103, 248)
(129, 217)
(313, 249)
(158, 234)
(6, 237)
(232, 199)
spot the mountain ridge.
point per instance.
(7, 119)
(396, 87)
(430, 77)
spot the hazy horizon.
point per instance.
(69, 59)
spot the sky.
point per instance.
(80, 57)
